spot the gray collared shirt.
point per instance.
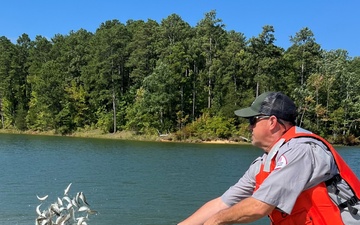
(301, 163)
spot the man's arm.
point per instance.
(205, 212)
(248, 210)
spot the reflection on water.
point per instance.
(127, 182)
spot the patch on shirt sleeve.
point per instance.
(281, 162)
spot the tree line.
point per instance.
(170, 77)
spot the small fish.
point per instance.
(69, 206)
(59, 219)
(59, 202)
(55, 209)
(62, 208)
(65, 219)
(83, 208)
(92, 212)
(38, 210)
(45, 221)
(80, 220)
(42, 198)
(74, 203)
(46, 214)
(66, 191)
(77, 198)
(66, 198)
(82, 197)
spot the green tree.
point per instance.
(8, 107)
(46, 97)
(352, 93)
(14, 89)
(153, 103)
(39, 55)
(302, 59)
(22, 88)
(149, 77)
(73, 51)
(211, 38)
(303, 54)
(143, 50)
(106, 77)
(174, 42)
(265, 60)
(344, 91)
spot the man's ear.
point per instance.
(274, 124)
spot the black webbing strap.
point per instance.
(347, 204)
(333, 182)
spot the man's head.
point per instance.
(270, 116)
(271, 104)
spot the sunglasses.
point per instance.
(253, 120)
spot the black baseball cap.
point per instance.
(271, 103)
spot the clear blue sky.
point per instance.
(335, 23)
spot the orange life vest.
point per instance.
(313, 206)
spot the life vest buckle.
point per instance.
(352, 201)
(349, 204)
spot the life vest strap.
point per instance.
(349, 203)
(333, 182)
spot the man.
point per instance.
(299, 180)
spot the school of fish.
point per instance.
(65, 211)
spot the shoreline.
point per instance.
(131, 136)
(123, 135)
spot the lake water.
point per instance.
(127, 182)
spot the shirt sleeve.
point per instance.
(244, 188)
(299, 166)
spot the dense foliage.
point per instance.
(170, 77)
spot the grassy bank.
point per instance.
(122, 135)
